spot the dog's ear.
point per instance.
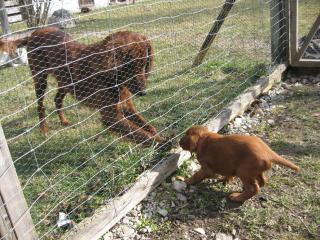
(193, 142)
(189, 142)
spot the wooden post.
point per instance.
(4, 18)
(277, 21)
(294, 31)
(213, 32)
(287, 22)
(14, 203)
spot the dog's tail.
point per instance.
(284, 162)
(149, 58)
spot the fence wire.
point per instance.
(102, 101)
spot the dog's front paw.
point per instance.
(44, 128)
(65, 123)
(150, 129)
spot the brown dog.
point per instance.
(102, 75)
(246, 157)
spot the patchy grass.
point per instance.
(74, 171)
(288, 207)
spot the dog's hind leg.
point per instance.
(250, 187)
(59, 105)
(262, 180)
(40, 83)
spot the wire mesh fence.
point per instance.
(100, 102)
(308, 11)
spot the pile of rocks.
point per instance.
(134, 226)
(304, 79)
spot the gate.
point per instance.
(304, 35)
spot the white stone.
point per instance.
(108, 236)
(222, 236)
(149, 230)
(63, 220)
(194, 167)
(200, 230)
(181, 197)
(162, 212)
(125, 220)
(125, 231)
(179, 186)
(139, 207)
(238, 121)
(143, 230)
(271, 121)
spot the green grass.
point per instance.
(71, 170)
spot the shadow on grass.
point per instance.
(296, 150)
